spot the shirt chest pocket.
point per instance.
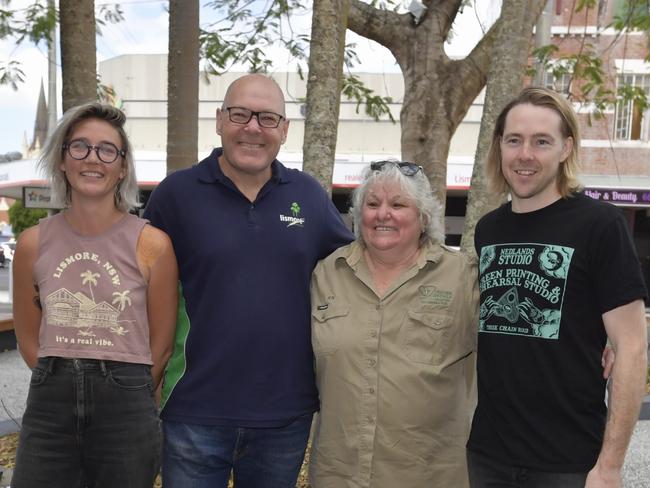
(327, 327)
(427, 337)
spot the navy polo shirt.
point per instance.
(243, 352)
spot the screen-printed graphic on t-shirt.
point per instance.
(522, 287)
(77, 306)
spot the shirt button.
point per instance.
(371, 390)
(372, 362)
(373, 333)
(371, 420)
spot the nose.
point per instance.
(93, 156)
(526, 151)
(253, 124)
(383, 212)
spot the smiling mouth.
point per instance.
(92, 174)
(525, 172)
(382, 228)
(250, 145)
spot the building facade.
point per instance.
(615, 149)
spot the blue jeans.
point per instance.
(485, 472)
(202, 456)
(88, 423)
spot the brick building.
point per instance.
(615, 150)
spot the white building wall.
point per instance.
(140, 82)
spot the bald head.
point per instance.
(249, 148)
(258, 83)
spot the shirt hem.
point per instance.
(546, 468)
(228, 422)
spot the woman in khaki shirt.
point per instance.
(394, 317)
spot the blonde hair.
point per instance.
(126, 193)
(567, 182)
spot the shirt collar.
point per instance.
(353, 253)
(210, 171)
(430, 252)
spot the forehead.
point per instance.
(95, 130)
(256, 93)
(386, 188)
(530, 119)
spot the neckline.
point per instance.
(108, 231)
(535, 213)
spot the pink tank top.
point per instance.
(93, 295)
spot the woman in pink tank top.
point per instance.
(95, 303)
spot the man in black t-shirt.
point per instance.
(558, 276)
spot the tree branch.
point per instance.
(380, 25)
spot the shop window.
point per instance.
(631, 119)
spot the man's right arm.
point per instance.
(626, 328)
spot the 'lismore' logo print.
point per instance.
(294, 219)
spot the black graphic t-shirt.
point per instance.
(546, 278)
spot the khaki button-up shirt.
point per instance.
(396, 374)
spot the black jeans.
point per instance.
(485, 472)
(88, 423)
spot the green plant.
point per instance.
(22, 218)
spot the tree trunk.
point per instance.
(505, 79)
(438, 91)
(51, 74)
(329, 23)
(78, 59)
(183, 84)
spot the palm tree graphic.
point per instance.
(295, 209)
(90, 278)
(122, 299)
(119, 330)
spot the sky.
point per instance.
(144, 31)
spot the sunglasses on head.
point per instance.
(406, 168)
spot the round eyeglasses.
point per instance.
(106, 152)
(241, 115)
(406, 168)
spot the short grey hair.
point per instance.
(126, 193)
(417, 188)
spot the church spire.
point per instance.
(40, 124)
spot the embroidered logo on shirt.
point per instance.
(434, 296)
(294, 219)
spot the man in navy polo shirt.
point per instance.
(239, 391)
